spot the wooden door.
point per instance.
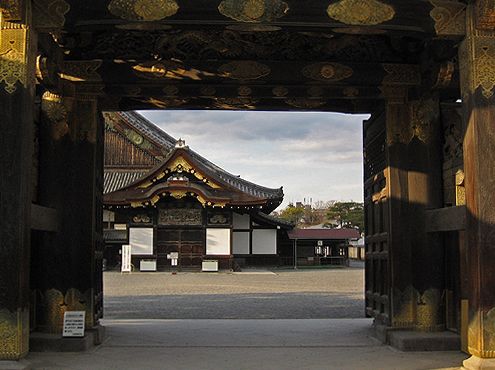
(189, 243)
(377, 282)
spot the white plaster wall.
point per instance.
(141, 240)
(241, 221)
(218, 241)
(240, 242)
(265, 241)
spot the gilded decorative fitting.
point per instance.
(484, 71)
(143, 10)
(207, 91)
(244, 102)
(244, 90)
(12, 10)
(13, 61)
(134, 137)
(305, 103)
(424, 113)
(449, 17)
(280, 91)
(244, 70)
(361, 12)
(328, 72)
(401, 74)
(81, 71)
(170, 90)
(49, 14)
(445, 75)
(460, 190)
(253, 10)
(12, 330)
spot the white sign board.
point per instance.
(74, 324)
(126, 258)
(320, 243)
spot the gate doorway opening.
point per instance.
(273, 148)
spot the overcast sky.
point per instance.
(312, 155)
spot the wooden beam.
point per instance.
(446, 219)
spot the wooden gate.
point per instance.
(377, 283)
(188, 243)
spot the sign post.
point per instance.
(74, 324)
(126, 259)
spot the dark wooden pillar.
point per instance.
(477, 62)
(70, 182)
(399, 245)
(414, 186)
(17, 55)
(424, 153)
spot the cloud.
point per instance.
(316, 155)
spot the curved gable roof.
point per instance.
(157, 138)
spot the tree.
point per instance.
(292, 214)
(347, 214)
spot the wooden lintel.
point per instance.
(44, 218)
(446, 219)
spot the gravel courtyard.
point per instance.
(285, 294)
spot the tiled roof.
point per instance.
(324, 234)
(117, 179)
(274, 220)
(147, 128)
(115, 235)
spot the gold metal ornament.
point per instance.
(244, 90)
(13, 56)
(81, 71)
(49, 14)
(207, 91)
(134, 137)
(143, 10)
(361, 12)
(56, 112)
(402, 74)
(328, 72)
(305, 103)
(170, 90)
(449, 17)
(14, 334)
(12, 10)
(235, 103)
(484, 71)
(244, 70)
(460, 190)
(424, 113)
(253, 10)
(168, 70)
(280, 91)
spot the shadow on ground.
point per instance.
(312, 305)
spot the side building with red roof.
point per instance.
(321, 246)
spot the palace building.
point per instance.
(176, 208)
